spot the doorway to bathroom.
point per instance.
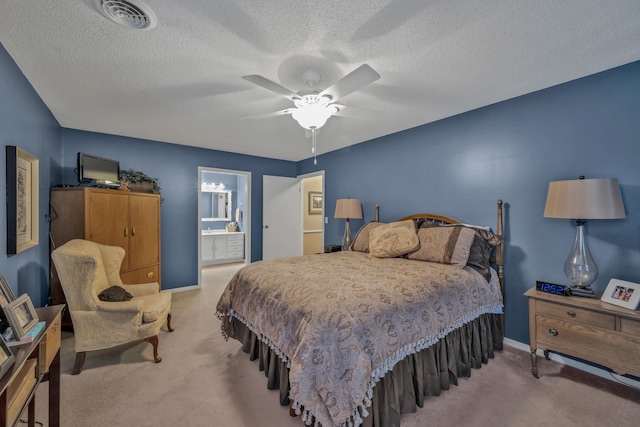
(224, 222)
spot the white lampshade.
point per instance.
(584, 199)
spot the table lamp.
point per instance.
(348, 209)
(583, 199)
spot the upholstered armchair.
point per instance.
(85, 270)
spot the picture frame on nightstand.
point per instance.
(622, 293)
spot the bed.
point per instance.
(359, 337)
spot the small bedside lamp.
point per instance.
(583, 199)
(348, 209)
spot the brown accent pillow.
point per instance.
(361, 241)
(393, 239)
(445, 245)
(114, 294)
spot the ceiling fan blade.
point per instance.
(268, 115)
(270, 85)
(360, 77)
(356, 113)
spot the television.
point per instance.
(98, 171)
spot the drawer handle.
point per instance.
(553, 332)
(150, 274)
(571, 313)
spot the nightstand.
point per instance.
(585, 328)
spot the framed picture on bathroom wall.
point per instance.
(315, 203)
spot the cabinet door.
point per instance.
(107, 221)
(207, 248)
(144, 220)
(219, 247)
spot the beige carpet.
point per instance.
(205, 381)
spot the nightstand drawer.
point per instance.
(574, 314)
(618, 351)
(629, 326)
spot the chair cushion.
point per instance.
(114, 294)
(155, 306)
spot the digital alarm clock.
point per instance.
(553, 288)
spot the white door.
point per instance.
(281, 217)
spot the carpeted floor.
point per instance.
(205, 381)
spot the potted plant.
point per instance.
(138, 181)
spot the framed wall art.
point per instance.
(22, 200)
(315, 203)
(21, 315)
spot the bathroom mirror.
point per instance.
(216, 206)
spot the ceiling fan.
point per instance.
(312, 108)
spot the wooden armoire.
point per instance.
(112, 217)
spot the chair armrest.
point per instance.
(131, 306)
(142, 289)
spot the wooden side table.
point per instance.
(36, 361)
(585, 328)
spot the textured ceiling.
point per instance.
(181, 81)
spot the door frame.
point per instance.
(299, 179)
(281, 194)
(246, 213)
(325, 218)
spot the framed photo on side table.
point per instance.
(6, 357)
(624, 294)
(21, 315)
(6, 296)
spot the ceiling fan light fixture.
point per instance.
(312, 116)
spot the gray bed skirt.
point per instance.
(415, 378)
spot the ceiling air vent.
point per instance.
(129, 13)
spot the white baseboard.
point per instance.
(185, 288)
(576, 364)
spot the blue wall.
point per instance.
(459, 166)
(27, 123)
(511, 151)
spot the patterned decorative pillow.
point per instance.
(483, 244)
(393, 239)
(445, 245)
(361, 241)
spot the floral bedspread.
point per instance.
(342, 320)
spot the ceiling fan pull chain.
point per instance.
(313, 147)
